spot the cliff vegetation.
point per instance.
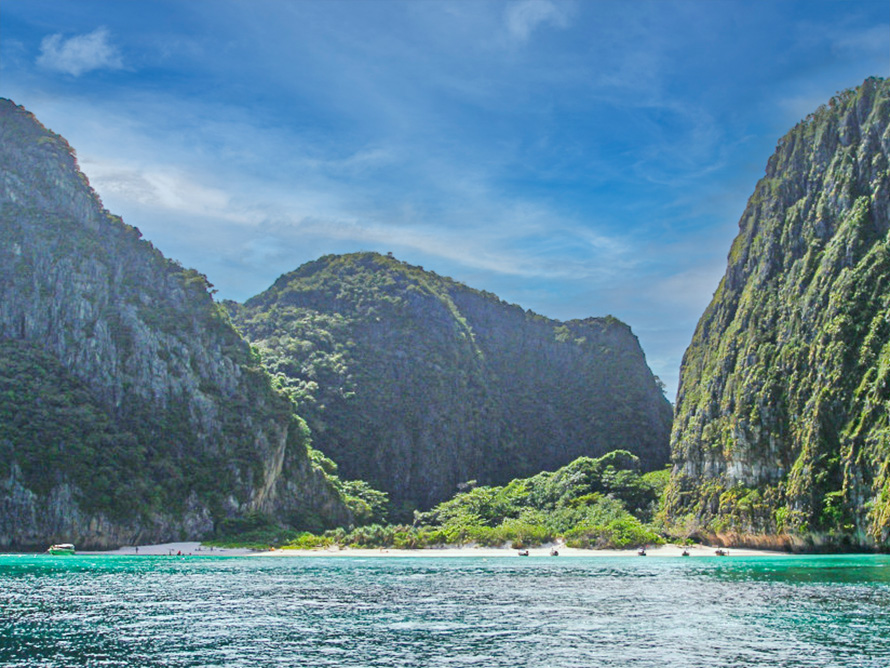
(130, 410)
(781, 434)
(417, 383)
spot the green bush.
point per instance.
(594, 503)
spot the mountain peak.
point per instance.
(417, 383)
(159, 423)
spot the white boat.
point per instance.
(61, 548)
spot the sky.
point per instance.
(576, 157)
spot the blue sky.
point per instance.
(578, 158)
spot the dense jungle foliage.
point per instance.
(591, 503)
(52, 431)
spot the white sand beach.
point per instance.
(495, 552)
(187, 549)
(193, 549)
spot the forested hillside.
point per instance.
(418, 383)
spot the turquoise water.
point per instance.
(561, 612)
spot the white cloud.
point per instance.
(162, 187)
(498, 247)
(690, 291)
(79, 54)
(524, 18)
(869, 39)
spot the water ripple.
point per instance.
(211, 611)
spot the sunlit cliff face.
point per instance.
(781, 414)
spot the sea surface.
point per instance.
(469, 611)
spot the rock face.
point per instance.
(781, 432)
(417, 383)
(130, 409)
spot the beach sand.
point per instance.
(494, 552)
(192, 548)
(196, 549)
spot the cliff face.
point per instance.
(781, 432)
(417, 383)
(131, 409)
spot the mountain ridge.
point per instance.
(426, 354)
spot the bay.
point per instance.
(342, 611)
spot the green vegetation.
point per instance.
(591, 503)
(53, 431)
(125, 384)
(600, 503)
(257, 531)
(781, 424)
(129, 404)
(414, 382)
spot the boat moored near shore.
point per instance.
(61, 548)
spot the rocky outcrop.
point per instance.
(417, 383)
(151, 385)
(781, 423)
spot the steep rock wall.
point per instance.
(781, 423)
(193, 431)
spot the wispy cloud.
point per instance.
(525, 17)
(160, 187)
(506, 236)
(855, 41)
(79, 54)
(506, 247)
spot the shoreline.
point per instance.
(533, 552)
(193, 549)
(177, 549)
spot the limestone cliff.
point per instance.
(130, 409)
(417, 383)
(781, 433)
